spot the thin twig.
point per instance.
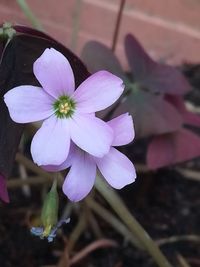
(103, 243)
(117, 25)
(182, 261)
(78, 230)
(189, 174)
(33, 167)
(64, 259)
(66, 213)
(91, 220)
(173, 239)
(23, 172)
(191, 107)
(14, 182)
(24, 177)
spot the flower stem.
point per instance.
(117, 25)
(29, 14)
(119, 207)
(78, 230)
(113, 221)
(75, 24)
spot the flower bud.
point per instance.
(7, 32)
(49, 214)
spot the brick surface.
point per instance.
(168, 29)
(184, 11)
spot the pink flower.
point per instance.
(116, 168)
(68, 114)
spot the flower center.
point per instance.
(64, 107)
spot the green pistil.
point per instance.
(64, 107)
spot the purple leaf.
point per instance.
(156, 77)
(169, 149)
(98, 56)
(152, 115)
(189, 118)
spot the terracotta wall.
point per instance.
(169, 29)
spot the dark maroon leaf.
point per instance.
(152, 115)
(170, 149)
(16, 69)
(158, 78)
(98, 56)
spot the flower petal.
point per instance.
(50, 145)
(66, 164)
(28, 103)
(81, 177)
(54, 73)
(123, 130)
(91, 134)
(98, 92)
(116, 168)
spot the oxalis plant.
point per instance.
(154, 96)
(41, 80)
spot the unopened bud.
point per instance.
(49, 215)
(7, 31)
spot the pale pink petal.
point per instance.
(50, 145)
(28, 103)
(66, 164)
(116, 168)
(123, 129)
(91, 134)
(54, 73)
(98, 92)
(81, 177)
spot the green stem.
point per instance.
(78, 230)
(29, 14)
(119, 207)
(113, 221)
(76, 25)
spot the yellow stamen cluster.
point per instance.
(64, 108)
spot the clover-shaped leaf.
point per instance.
(156, 77)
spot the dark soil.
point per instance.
(169, 207)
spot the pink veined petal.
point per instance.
(66, 164)
(28, 103)
(50, 145)
(98, 92)
(81, 177)
(54, 73)
(116, 168)
(123, 129)
(91, 134)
